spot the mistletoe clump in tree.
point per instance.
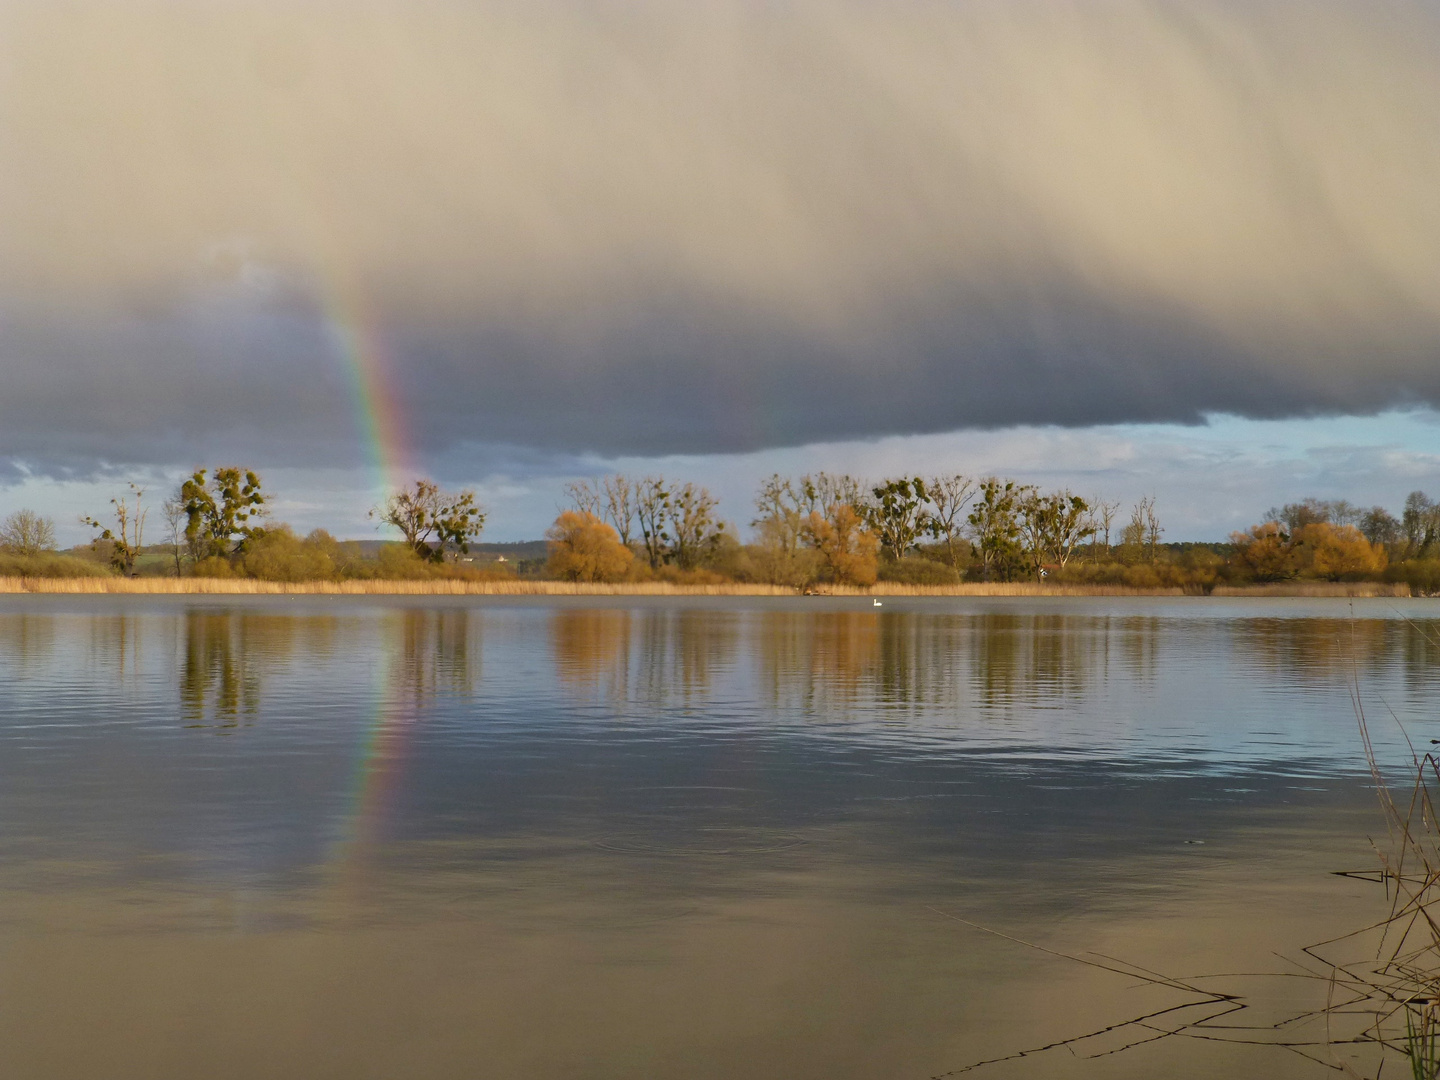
(126, 536)
(1054, 526)
(899, 514)
(219, 513)
(995, 523)
(437, 525)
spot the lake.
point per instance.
(354, 838)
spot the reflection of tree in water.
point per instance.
(1324, 652)
(811, 661)
(433, 653)
(858, 659)
(806, 659)
(1139, 640)
(219, 676)
(656, 654)
(592, 650)
(1314, 651)
(27, 640)
(1045, 659)
(1419, 654)
(684, 650)
(916, 660)
(114, 644)
(226, 655)
(1018, 656)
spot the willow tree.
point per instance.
(585, 548)
(845, 545)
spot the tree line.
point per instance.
(805, 531)
(217, 524)
(948, 528)
(837, 528)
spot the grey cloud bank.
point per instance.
(645, 228)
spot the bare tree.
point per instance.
(780, 555)
(781, 515)
(949, 496)
(176, 519)
(1379, 527)
(1153, 530)
(820, 492)
(584, 496)
(620, 494)
(1313, 511)
(27, 533)
(1133, 534)
(1104, 519)
(652, 505)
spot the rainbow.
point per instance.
(378, 413)
(379, 419)
(378, 770)
(378, 774)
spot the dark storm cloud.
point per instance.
(648, 228)
(685, 381)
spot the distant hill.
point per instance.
(523, 549)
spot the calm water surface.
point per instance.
(301, 839)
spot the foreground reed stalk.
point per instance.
(1398, 992)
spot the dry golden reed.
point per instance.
(1317, 588)
(448, 587)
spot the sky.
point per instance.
(1131, 248)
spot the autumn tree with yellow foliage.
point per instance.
(1335, 552)
(1319, 550)
(848, 549)
(584, 548)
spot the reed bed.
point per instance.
(365, 587)
(520, 587)
(1317, 588)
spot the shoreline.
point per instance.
(98, 586)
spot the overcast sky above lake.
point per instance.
(717, 238)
